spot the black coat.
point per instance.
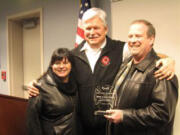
(104, 73)
(51, 112)
(148, 103)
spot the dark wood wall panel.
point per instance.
(12, 115)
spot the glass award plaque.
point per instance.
(103, 99)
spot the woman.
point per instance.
(51, 112)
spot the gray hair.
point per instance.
(93, 12)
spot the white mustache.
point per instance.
(91, 37)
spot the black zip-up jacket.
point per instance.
(148, 103)
(104, 73)
(51, 112)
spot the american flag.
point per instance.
(84, 5)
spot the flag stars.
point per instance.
(84, 5)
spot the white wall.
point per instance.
(59, 26)
(164, 15)
(60, 19)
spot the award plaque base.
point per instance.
(100, 113)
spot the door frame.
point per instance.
(11, 19)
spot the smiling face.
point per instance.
(62, 68)
(138, 42)
(94, 31)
